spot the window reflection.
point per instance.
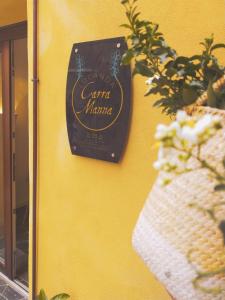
(2, 237)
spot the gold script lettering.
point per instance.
(84, 89)
(95, 94)
(92, 109)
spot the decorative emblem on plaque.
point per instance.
(98, 99)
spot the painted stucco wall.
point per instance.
(87, 209)
(12, 11)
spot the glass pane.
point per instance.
(20, 149)
(2, 238)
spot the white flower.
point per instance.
(175, 127)
(161, 152)
(150, 79)
(188, 134)
(206, 122)
(181, 116)
(164, 181)
(161, 131)
(160, 163)
(203, 124)
(196, 131)
(179, 140)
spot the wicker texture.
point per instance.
(169, 231)
(202, 100)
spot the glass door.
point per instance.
(5, 161)
(14, 161)
(2, 232)
(20, 184)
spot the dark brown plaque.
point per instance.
(98, 99)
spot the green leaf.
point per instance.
(210, 39)
(169, 64)
(189, 95)
(133, 9)
(127, 57)
(159, 103)
(62, 296)
(171, 71)
(203, 44)
(182, 78)
(157, 89)
(197, 84)
(128, 14)
(42, 295)
(142, 69)
(126, 26)
(195, 57)
(217, 46)
(159, 51)
(135, 16)
(142, 23)
(181, 60)
(135, 40)
(220, 187)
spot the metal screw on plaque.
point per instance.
(76, 50)
(118, 45)
(113, 155)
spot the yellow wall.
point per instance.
(12, 11)
(87, 209)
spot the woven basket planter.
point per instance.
(176, 240)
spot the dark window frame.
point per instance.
(13, 31)
(7, 35)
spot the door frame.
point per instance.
(7, 35)
(13, 31)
